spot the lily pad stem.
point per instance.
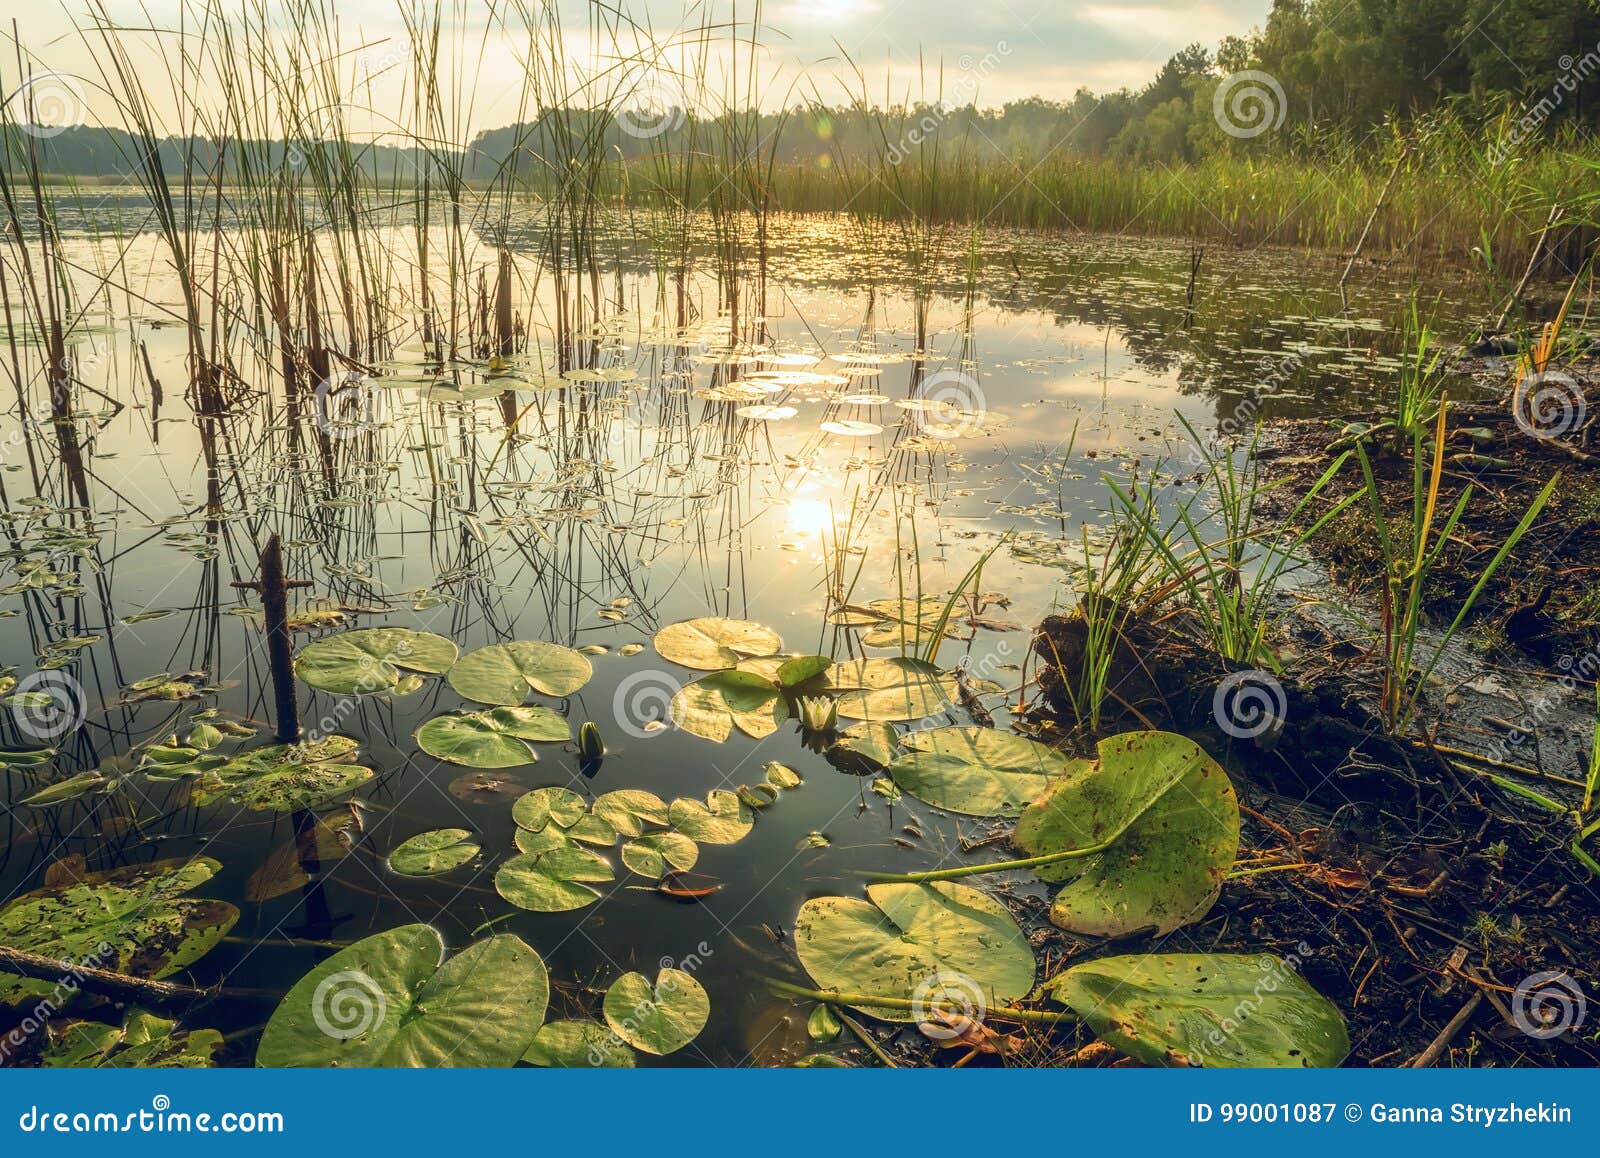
(970, 870)
(835, 997)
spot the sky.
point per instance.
(990, 51)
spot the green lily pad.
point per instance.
(371, 661)
(891, 689)
(1166, 819)
(659, 1018)
(865, 747)
(712, 644)
(630, 810)
(711, 707)
(25, 757)
(915, 941)
(72, 788)
(578, 1043)
(782, 776)
(533, 810)
(430, 853)
(388, 1001)
(497, 738)
(284, 777)
(722, 819)
(1210, 1009)
(143, 1041)
(976, 771)
(651, 854)
(555, 881)
(504, 673)
(823, 1024)
(132, 920)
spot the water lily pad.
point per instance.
(865, 747)
(133, 920)
(712, 644)
(72, 788)
(651, 855)
(712, 706)
(907, 941)
(486, 788)
(554, 881)
(897, 688)
(1211, 1009)
(143, 1041)
(976, 771)
(630, 810)
(388, 1001)
(1166, 819)
(372, 660)
(722, 819)
(503, 673)
(284, 777)
(782, 776)
(497, 738)
(430, 853)
(578, 1043)
(659, 1018)
(533, 810)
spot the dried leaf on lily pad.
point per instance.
(496, 738)
(891, 689)
(578, 1043)
(430, 853)
(976, 771)
(712, 644)
(388, 1001)
(910, 941)
(284, 777)
(722, 819)
(372, 660)
(659, 1018)
(711, 707)
(504, 673)
(1205, 1009)
(1164, 821)
(133, 919)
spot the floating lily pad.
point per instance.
(722, 819)
(630, 810)
(712, 644)
(72, 788)
(486, 788)
(388, 1001)
(497, 738)
(782, 776)
(504, 673)
(1211, 1009)
(554, 881)
(711, 707)
(651, 855)
(976, 771)
(659, 1018)
(430, 853)
(143, 1041)
(372, 660)
(578, 1043)
(891, 689)
(910, 941)
(533, 810)
(133, 920)
(1166, 819)
(284, 777)
(865, 747)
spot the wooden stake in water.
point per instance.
(274, 590)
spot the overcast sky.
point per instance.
(991, 51)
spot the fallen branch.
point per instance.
(118, 986)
